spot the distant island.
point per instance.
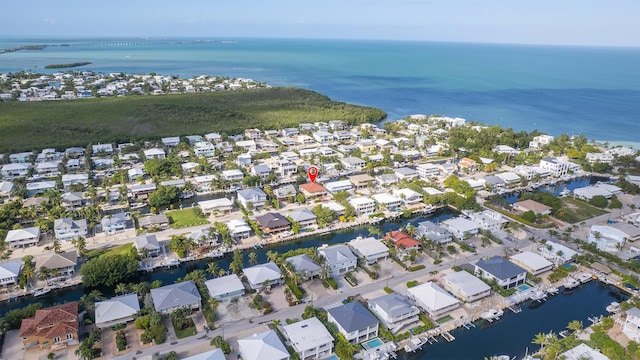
(25, 47)
(69, 65)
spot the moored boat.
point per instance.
(614, 307)
(570, 283)
(492, 314)
(40, 292)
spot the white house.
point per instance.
(9, 272)
(69, 229)
(304, 266)
(428, 171)
(339, 258)
(556, 167)
(461, 227)
(337, 186)
(219, 206)
(238, 229)
(204, 148)
(631, 325)
(154, 153)
(465, 286)
(309, 338)
(433, 299)
(506, 273)
(370, 249)
(607, 238)
(171, 141)
(363, 205)
(354, 321)
(21, 238)
(487, 220)
(540, 141)
(409, 197)
(557, 253)
(114, 223)
(74, 179)
(117, 310)
(387, 200)
(533, 263)
(353, 163)
(225, 288)
(394, 310)
(261, 346)
(232, 175)
(14, 170)
(582, 352)
(254, 196)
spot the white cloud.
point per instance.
(49, 21)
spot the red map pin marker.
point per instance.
(313, 173)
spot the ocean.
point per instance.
(593, 91)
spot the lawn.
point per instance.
(125, 249)
(444, 319)
(25, 126)
(185, 332)
(185, 218)
(578, 211)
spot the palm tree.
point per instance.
(540, 339)
(376, 269)
(43, 273)
(275, 323)
(619, 247)
(222, 272)
(575, 326)
(57, 246)
(253, 258)
(213, 303)
(121, 288)
(213, 268)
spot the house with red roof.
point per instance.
(310, 190)
(54, 327)
(403, 241)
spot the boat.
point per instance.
(570, 283)
(552, 290)
(565, 192)
(614, 307)
(538, 295)
(415, 344)
(136, 206)
(492, 314)
(584, 277)
(40, 292)
(170, 262)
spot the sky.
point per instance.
(550, 22)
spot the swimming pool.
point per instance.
(524, 287)
(372, 344)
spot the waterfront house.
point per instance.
(556, 167)
(9, 272)
(117, 310)
(21, 238)
(533, 263)
(148, 245)
(311, 190)
(309, 338)
(631, 325)
(304, 266)
(506, 273)
(67, 229)
(215, 354)
(304, 217)
(394, 310)
(531, 205)
(225, 288)
(363, 205)
(72, 200)
(582, 352)
(461, 227)
(153, 220)
(232, 175)
(221, 206)
(114, 223)
(39, 187)
(487, 219)
(387, 200)
(252, 198)
(141, 190)
(362, 181)
(273, 223)
(261, 346)
(168, 298)
(433, 232)
(261, 170)
(154, 153)
(557, 253)
(602, 158)
(263, 275)
(52, 328)
(354, 321)
(403, 242)
(369, 249)
(63, 263)
(539, 141)
(465, 286)
(409, 197)
(432, 299)
(238, 229)
(15, 170)
(338, 258)
(607, 238)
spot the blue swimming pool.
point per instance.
(524, 287)
(372, 344)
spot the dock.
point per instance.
(447, 336)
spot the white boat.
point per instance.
(538, 295)
(565, 192)
(614, 307)
(570, 283)
(135, 206)
(170, 262)
(552, 290)
(40, 292)
(584, 277)
(492, 314)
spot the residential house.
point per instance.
(213, 137)
(354, 321)
(48, 169)
(309, 338)
(369, 249)
(465, 286)
(304, 217)
(204, 148)
(405, 173)
(252, 198)
(171, 141)
(273, 223)
(304, 266)
(15, 170)
(556, 167)
(362, 181)
(363, 205)
(387, 200)
(117, 310)
(67, 229)
(312, 190)
(21, 238)
(135, 173)
(148, 245)
(285, 192)
(9, 272)
(154, 153)
(286, 168)
(334, 187)
(385, 180)
(238, 229)
(394, 311)
(487, 220)
(215, 354)
(263, 275)
(539, 141)
(221, 206)
(40, 187)
(247, 145)
(432, 299)
(434, 232)
(6, 189)
(607, 238)
(602, 158)
(506, 273)
(114, 223)
(153, 221)
(141, 191)
(461, 227)
(582, 352)
(409, 197)
(225, 287)
(557, 253)
(403, 242)
(353, 163)
(63, 264)
(533, 263)
(323, 137)
(261, 346)
(101, 148)
(631, 325)
(72, 200)
(232, 175)
(531, 205)
(168, 298)
(23, 157)
(52, 328)
(338, 258)
(263, 171)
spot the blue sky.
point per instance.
(554, 22)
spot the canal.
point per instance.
(512, 334)
(170, 275)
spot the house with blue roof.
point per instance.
(506, 273)
(354, 321)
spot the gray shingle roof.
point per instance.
(180, 294)
(500, 267)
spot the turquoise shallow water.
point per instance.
(574, 90)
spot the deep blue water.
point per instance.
(575, 90)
